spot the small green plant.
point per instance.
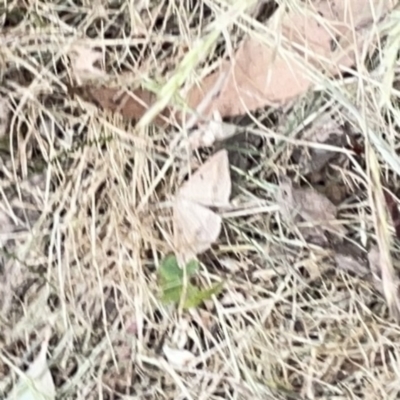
(174, 282)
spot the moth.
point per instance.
(196, 226)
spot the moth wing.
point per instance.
(211, 184)
(196, 228)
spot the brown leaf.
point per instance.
(196, 228)
(325, 130)
(308, 205)
(253, 82)
(131, 105)
(262, 76)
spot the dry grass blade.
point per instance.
(387, 272)
(86, 195)
(4, 116)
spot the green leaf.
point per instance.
(195, 296)
(192, 267)
(171, 295)
(172, 285)
(170, 271)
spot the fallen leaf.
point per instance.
(327, 131)
(130, 104)
(83, 59)
(308, 205)
(307, 202)
(4, 114)
(37, 383)
(196, 227)
(262, 75)
(178, 358)
(324, 34)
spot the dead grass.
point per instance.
(87, 198)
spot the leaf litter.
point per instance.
(261, 74)
(297, 204)
(286, 314)
(329, 129)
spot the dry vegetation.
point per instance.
(308, 251)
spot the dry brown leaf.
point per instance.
(308, 205)
(325, 130)
(131, 105)
(82, 63)
(196, 227)
(261, 76)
